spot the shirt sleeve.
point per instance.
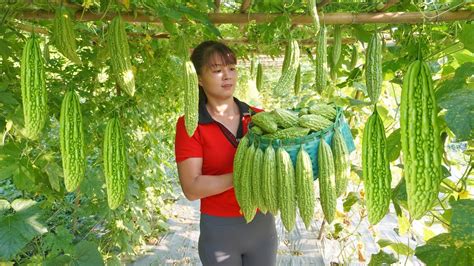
(185, 146)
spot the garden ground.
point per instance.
(300, 247)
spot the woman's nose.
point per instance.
(226, 73)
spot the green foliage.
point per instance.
(394, 145)
(457, 96)
(381, 258)
(399, 248)
(457, 103)
(467, 37)
(33, 169)
(462, 229)
(84, 253)
(399, 196)
(351, 199)
(19, 227)
(444, 250)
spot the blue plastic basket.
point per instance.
(310, 142)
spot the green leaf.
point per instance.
(5, 50)
(382, 258)
(445, 250)
(9, 160)
(338, 229)
(18, 229)
(445, 174)
(399, 193)
(383, 112)
(394, 145)
(59, 242)
(7, 168)
(59, 260)
(467, 36)
(86, 253)
(10, 150)
(24, 176)
(460, 112)
(3, 123)
(4, 206)
(400, 248)
(173, 14)
(8, 98)
(54, 171)
(114, 261)
(355, 74)
(351, 199)
(398, 209)
(462, 224)
(462, 73)
(201, 18)
(357, 170)
(384, 242)
(169, 25)
(361, 34)
(447, 215)
(463, 56)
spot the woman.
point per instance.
(205, 163)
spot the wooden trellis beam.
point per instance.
(328, 18)
(349, 18)
(165, 35)
(304, 42)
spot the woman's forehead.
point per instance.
(218, 59)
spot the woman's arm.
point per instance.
(195, 185)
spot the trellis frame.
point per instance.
(242, 18)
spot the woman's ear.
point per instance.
(199, 81)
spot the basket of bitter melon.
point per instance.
(302, 128)
(276, 162)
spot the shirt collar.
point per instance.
(205, 117)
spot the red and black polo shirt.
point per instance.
(216, 145)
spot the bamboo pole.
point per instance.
(304, 42)
(165, 35)
(328, 18)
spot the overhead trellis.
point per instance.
(238, 13)
(326, 18)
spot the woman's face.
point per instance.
(218, 79)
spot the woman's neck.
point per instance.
(222, 107)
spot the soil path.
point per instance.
(300, 247)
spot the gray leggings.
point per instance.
(231, 241)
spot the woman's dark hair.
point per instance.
(204, 53)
